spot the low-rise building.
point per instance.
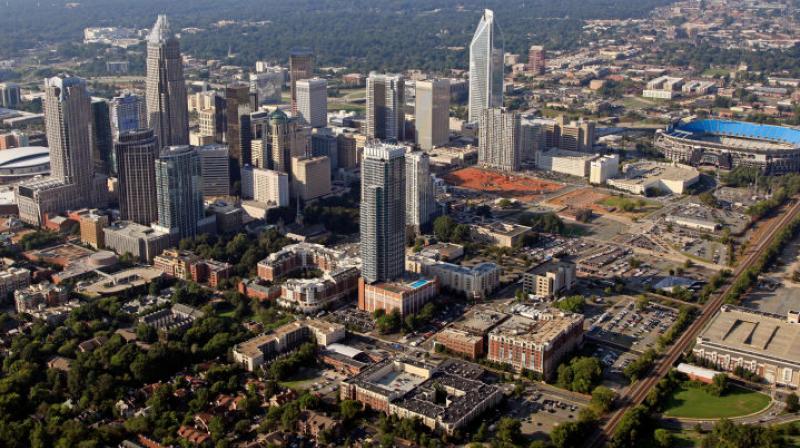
(641, 177)
(168, 320)
(409, 389)
(142, 242)
(571, 163)
(550, 279)
(603, 168)
(41, 295)
(92, 225)
(475, 282)
(537, 344)
(13, 279)
(254, 352)
(404, 297)
(338, 279)
(762, 343)
(502, 234)
(461, 342)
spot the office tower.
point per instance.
(312, 101)
(536, 59)
(202, 100)
(287, 138)
(128, 113)
(102, 139)
(325, 143)
(420, 203)
(10, 96)
(499, 139)
(136, 153)
(382, 212)
(237, 104)
(485, 67)
(432, 113)
(311, 177)
(178, 191)
(268, 83)
(301, 66)
(215, 170)
(347, 151)
(167, 111)
(72, 183)
(259, 136)
(385, 116)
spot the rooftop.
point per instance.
(762, 334)
(541, 330)
(480, 321)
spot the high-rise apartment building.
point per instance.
(420, 201)
(536, 59)
(179, 191)
(136, 153)
(102, 139)
(382, 212)
(485, 67)
(432, 113)
(72, 183)
(499, 139)
(385, 114)
(167, 111)
(215, 170)
(301, 66)
(10, 96)
(237, 106)
(312, 101)
(128, 113)
(271, 187)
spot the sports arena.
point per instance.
(730, 144)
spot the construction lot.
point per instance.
(523, 188)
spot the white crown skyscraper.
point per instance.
(167, 107)
(485, 67)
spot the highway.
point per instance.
(636, 394)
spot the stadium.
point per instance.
(730, 144)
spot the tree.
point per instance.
(792, 403)
(642, 302)
(443, 227)
(603, 399)
(508, 430)
(349, 410)
(663, 438)
(568, 435)
(719, 385)
(571, 304)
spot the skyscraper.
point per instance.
(432, 113)
(9, 95)
(102, 141)
(268, 84)
(485, 67)
(237, 105)
(419, 190)
(312, 101)
(167, 107)
(385, 116)
(301, 66)
(136, 153)
(72, 182)
(128, 113)
(215, 170)
(499, 139)
(382, 212)
(536, 59)
(178, 191)
(287, 138)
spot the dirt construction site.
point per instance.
(522, 188)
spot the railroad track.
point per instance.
(636, 394)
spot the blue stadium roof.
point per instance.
(741, 129)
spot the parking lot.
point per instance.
(540, 411)
(624, 326)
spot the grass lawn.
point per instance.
(229, 313)
(695, 402)
(346, 106)
(304, 379)
(721, 71)
(630, 205)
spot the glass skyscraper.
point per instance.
(485, 67)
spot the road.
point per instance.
(636, 394)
